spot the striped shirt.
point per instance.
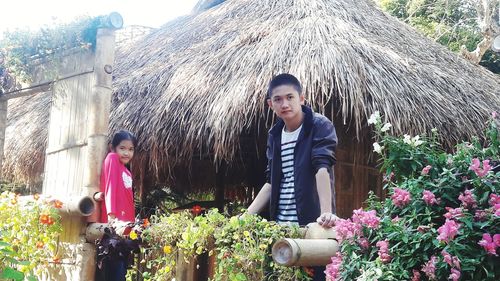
(287, 209)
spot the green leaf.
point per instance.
(241, 277)
(10, 273)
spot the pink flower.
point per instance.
(455, 274)
(368, 218)
(395, 219)
(480, 215)
(389, 177)
(333, 269)
(346, 229)
(453, 213)
(383, 251)
(475, 166)
(423, 228)
(467, 199)
(426, 170)
(400, 197)
(363, 243)
(490, 244)
(495, 203)
(430, 268)
(416, 275)
(448, 231)
(494, 114)
(429, 198)
(494, 199)
(451, 260)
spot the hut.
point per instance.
(194, 93)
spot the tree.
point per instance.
(465, 26)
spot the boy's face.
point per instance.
(286, 102)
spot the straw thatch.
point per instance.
(196, 85)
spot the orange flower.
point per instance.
(44, 218)
(196, 210)
(56, 259)
(13, 201)
(145, 223)
(36, 196)
(50, 220)
(309, 271)
(58, 204)
(40, 244)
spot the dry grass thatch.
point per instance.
(197, 84)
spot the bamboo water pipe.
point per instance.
(317, 248)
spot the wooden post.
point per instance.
(185, 270)
(3, 126)
(220, 173)
(100, 102)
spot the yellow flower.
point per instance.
(167, 249)
(133, 235)
(246, 233)
(167, 269)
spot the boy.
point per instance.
(301, 154)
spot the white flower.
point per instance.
(407, 139)
(416, 141)
(386, 127)
(377, 148)
(374, 118)
(434, 130)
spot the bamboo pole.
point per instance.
(96, 230)
(317, 247)
(99, 111)
(304, 252)
(80, 205)
(3, 126)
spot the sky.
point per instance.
(36, 13)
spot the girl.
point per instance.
(116, 186)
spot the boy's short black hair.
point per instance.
(284, 79)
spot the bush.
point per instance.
(29, 230)
(441, 220)
(241, 245)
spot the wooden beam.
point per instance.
(42, 88)
(220, 185)
(39, 88)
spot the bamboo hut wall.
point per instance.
(66, 148)
(355, 172)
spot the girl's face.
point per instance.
(125, 151)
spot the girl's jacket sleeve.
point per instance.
(112, 181)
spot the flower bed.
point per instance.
(441, 221)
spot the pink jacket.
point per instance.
(116, 184)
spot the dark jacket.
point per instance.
(315, 149)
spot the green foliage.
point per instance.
(417, 228)
(29, 232)
(241, 246)
(22, 50)
(452, 23)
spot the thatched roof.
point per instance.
(194, 86)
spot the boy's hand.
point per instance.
(327, 220)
